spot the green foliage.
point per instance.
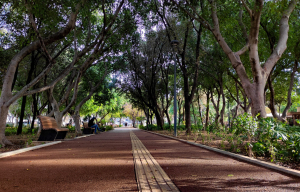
(150, 127)
(13, 131)
(211, 127)
(10, 131)
(109, 127)
(273, 138)
(71, 129)
(196, 127)
(260, 149)
(244, 125)
(29, 141)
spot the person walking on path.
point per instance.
(94, 125)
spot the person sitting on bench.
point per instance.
(93, 125)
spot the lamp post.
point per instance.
(174, 44)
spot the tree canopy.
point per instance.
(83, 58)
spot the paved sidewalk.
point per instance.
(192, 168)
(104, 162)
(101, 162)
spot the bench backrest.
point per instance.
(85, 125)
(48, 122)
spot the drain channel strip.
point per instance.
(150, 176)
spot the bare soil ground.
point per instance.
(26, 140)
(212, 140)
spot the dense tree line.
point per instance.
(243, 54)
(50, 50)
(58, 58)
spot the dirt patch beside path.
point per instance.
(26, 140)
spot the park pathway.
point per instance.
(107, 162)
(100, 162)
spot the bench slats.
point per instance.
(87, 129)
(50, 130)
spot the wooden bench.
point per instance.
(50, 130)
(87, 129)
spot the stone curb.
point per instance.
(10, 153)
(83, 136)
(6, 154)
(240, 157)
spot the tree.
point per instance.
(142, 82)
(260, 73)
(132, 112)
(188, 55)
(7, 97)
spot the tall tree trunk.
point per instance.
(168, 118)
(32, 64)
(151, 117)
(216, 107)
(289, 102)
(258, 100)
(199, 108)
(289, 99)
(76, 118)
(23, 105)
(35, 110)
(223, 106)
(183, 112)
(207, 110)
(3, 115)
(146, 111)
(187, 107)
(195, 119)
(179, 112)
(159, 121)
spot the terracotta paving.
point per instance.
(195, 169)
(105, 162)
(150, 176)
(101, 162)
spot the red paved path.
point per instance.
(195, 169)
(104, 162)
(101, 162)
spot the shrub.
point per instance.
(150, 127)
(211, 127)
(181, 127)
(10, 131)
(260, 149)
(269, 132)
(71, 129)
(109, 127)
(13, 131)
(196, 127)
